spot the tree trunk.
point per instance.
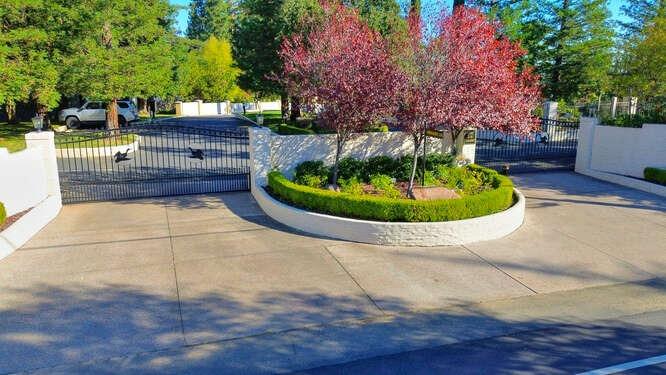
(143, 105)
(112, 115)
(284, 105)
(295, 108)
(10, 108)
(338, 151)
(457, 151)
(415, 154)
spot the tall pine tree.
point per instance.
(210, 18)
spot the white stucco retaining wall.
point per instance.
(262, 146)
(446, 233)
(620, 155)
(623, 151)
(29, 179)
(288, 151)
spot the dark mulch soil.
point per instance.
(12, 219)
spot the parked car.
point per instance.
(94, 113)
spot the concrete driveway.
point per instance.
(209, 283)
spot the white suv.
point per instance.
(94, 113)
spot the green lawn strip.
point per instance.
(12, 136)
(273, 120)
(93, 140)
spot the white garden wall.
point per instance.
(611, 153)
(623, 151)
(23, 180)
(287, 151)
(200, 108)
(29, 180)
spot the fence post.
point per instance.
(260, 156)
(585, 142)
(613, 106)
(633, 105)
(44, 142)
(550, 110)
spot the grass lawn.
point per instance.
(12, 138)
(91, 140)
(11, 135)
(157, 116)
(273, 120)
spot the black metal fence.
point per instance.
(149, 160)
(554, 147)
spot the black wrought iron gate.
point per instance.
(152, 160)
(553, 148)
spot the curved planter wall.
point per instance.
(97, 151)
(458, 232)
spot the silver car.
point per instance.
(94, 113)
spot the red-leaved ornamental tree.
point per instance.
(344, 68)
(465, 76)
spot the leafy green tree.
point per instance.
(28, 68)
(645, 74)
(121, 49)
(210, 73)
(210, 18)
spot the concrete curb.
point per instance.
(447, 233)
(630, 182)
(29, 224)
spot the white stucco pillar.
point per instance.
(260, 156)
(613, 106)
(585, 143)
(44, 142)
(199, 107)
(550, 110)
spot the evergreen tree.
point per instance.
(639, 14)
(569, 42)
(256, 40)
(580, 45)
(383, 16)
(210, 18)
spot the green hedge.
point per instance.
(656, 175)
(3, 214)
(398, 210)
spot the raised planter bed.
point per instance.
(445, 233)
(27, 225)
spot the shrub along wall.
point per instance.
(656, 175)
(3, 214)
(395, 210)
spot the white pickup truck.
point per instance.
(94, 113)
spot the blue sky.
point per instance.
(182, 15)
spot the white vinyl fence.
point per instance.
(200, 108)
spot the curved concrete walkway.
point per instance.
(208, 283)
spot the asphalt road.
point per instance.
(568, 349)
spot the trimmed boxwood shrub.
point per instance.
(3, 213)
(656, 175)
(399, 210)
